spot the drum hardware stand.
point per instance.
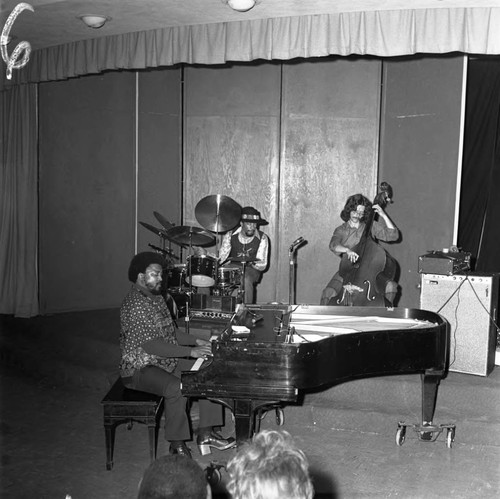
(186, 317)
(292, 257)
(241, 291)
(190, 294)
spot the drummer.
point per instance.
(249, 244)
(246, 245)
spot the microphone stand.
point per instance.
(292, 258)
(291, 280)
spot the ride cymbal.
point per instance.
(218, 213)
(184, 234)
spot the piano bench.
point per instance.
(123, 405)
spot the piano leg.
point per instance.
(244, 419)
(244, 412)
(430, 384)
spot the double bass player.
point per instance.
(347, 237)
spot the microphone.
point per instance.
(297, 241)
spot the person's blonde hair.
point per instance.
(269, 467)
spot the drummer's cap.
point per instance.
(141, 262)
(250, 214)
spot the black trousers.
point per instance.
(152, 379)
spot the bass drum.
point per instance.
(201, 271)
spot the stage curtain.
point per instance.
(18, 201)
(479, 230)
(382, 33)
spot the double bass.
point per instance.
(365, 280)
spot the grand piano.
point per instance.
(270, 355)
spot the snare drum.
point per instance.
(229, 275)
(202, 271)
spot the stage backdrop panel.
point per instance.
(419, 156)
(87, 191)
(231, 144)
(329, 151)
(292, 140)
(159, 152)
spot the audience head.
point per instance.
(269, 467)
(173, 477)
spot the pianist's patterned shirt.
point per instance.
(144, 317)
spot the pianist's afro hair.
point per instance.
(141, 262)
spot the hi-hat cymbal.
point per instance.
(218, 213)
(243, 259)
(166, 224)
(184, 234)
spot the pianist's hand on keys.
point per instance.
(204, 349)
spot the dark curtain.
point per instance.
(19, 201)
(479, 229)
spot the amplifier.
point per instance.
(469, 304)
(210, 315)
(444, 263)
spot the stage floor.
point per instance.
(52, 436)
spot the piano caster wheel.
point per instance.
(400, 435)
(280, 417)
(427, 432)
(450, 437)
(213, 473)
(213, 477)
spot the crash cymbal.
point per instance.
(243, 259)
(166, 224)
(154, 230)
(184, 234)
(218, 213)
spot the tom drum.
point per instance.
(202, 271)
(229, 275)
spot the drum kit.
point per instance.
(216, 214)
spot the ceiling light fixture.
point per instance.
(94, 21)
(241, 5)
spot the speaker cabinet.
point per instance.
(469, 303)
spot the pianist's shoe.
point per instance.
(179, 447)
(209, 438)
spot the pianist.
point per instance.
(154, 353)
